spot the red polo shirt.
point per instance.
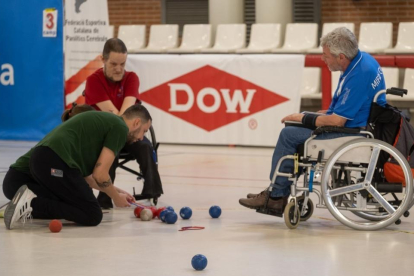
(99, 89)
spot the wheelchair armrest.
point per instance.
(300, 124)
(330, 129)
(296, 124)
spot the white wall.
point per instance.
(274, 11)
(225, 12)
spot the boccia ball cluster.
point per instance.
(145, 214)
(168, 214)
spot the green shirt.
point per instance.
(79, 141)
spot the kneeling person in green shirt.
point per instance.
(54, 179)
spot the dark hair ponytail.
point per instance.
(75, 109)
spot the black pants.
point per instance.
(142, 151)
(58, 197)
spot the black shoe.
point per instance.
(105, 201)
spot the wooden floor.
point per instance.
(241, 242)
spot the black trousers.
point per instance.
(61, 194)
(143, 152)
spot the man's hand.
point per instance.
(121, 201)
(129, 197)
(297, 117)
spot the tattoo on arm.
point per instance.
(104, 184)
(97, 165)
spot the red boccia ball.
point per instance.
(55, 226)
(154, 211)
(137, 212)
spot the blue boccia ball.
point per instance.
(170, 208)
(171, 218)
(199, 262)
(215, 211)
(186, 212)
(163, 214)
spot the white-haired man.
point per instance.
(361, 78)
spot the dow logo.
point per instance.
(6, 74)
(211, 98)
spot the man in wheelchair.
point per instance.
(361, 78)
(112, 89)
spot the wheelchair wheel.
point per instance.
(292, 218)
(308, 211)
(373, 216)
(361, 197)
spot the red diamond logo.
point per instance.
(210, 98)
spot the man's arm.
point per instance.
(92, 183)
(325, 120)
(103, 180)
(128, 101)
(131, 94)
(108, 106)
(330, 120)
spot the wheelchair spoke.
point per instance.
(346, 189)
(381, 200)
(372, 164)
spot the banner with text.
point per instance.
(86, 30)
(31, 68)
(219, 99)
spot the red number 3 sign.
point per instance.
(50, 23)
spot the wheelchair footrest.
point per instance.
(271, 212)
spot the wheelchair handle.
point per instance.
(393, 91)
(397, 91)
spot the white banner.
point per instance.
(219, 99)
(86, 31)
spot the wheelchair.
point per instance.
(347, 176)
(125, 157)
